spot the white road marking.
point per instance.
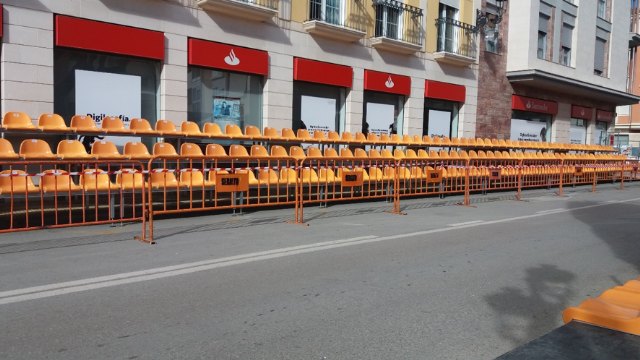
(44, 291)
(465, 223)
(550, 211)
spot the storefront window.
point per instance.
(104, 85)
(318, 107)
(530, 126)
(224, 97)
(383, 113)
(601, 136)
(578, 131)
(440, 118)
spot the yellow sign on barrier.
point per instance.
(232, 182)
(352, 178)
(494, 174)
(434, 176)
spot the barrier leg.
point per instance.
(622, 176)
(595, 180)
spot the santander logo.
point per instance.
(389, 83)
(232, 59)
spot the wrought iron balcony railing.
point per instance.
(269, 4)
(398, 21)
(456, 37)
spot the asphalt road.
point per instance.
(441, 282)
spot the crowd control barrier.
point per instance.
(60, 193)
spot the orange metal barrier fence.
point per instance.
(60, 193)
(206, 183)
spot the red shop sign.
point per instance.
(322, 72)
(444, 91)
(534, 105)
(602, 115)
(385, 82)
(228, 57)
(581, 112)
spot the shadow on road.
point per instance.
(524, 313)
(617, 225)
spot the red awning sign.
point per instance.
(228, 57)
(388, 83)
(444, 91)
(534, 105)
(602, 115)
(581, 112)
(322, 72)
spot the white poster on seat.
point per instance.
(439, 123)
(526, 130)
(380, 117)
(318, 113)
(577, 134)
(101, 94)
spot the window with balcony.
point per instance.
(600, 66)
(341, 20)
(456, 40)
(565, 45)
(257, 10)
(398, 26)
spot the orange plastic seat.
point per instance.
(313, 151)
(215, 150)
(288, 133)
(278, 151)
(52, 122)
(35, 149)
(330, 152)
(411, 154)
(373, 153)
(6, 150)
(164, 149)
(259, 151)
(360, 153)
(333, 136)
(427, 140)
(129, 179)
(238, 151)
(83, 123)
(233, 130)
(360, 137)
(190, 128)
(162, 179)
(166, 127)
(56, 181)
(190, 149)
(308, 176)
(320, 135)
(271, 133)
(105, 150)
(17, 183)
(347, 137)
(141, 126)
(252, 132)
(386, 153)
(398, 154)
(71, 149)
(346, 153)
(267, 177)
(297, 152)
(395, 139)
(17, 121)
(288, 176)
(114, 124)
(213, 130)
(136, 150)
(303, 134)
(371, 137)
(92, 180)
(422, 154)
(194, 178)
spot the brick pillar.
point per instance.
(173, 80)
(27, 62)
(278, 93)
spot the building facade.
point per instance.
(343, 65)
(553, 70)
(626, 136)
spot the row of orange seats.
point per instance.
(115, 126)
(75, 150)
